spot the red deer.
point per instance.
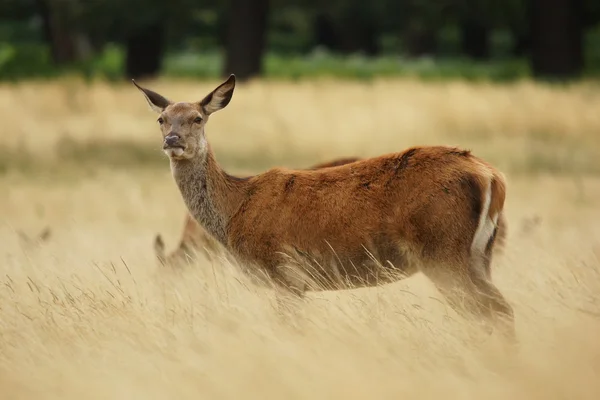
(195, 239)
(429, 209)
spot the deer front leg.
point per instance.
(290, 289)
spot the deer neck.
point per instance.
(211, 195)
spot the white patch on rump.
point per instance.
(485, 228)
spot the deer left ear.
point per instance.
(157, 102)
(220, 97)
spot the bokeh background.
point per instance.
(472, 39)
(86, 309)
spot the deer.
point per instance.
(195, 239)
(372, 222)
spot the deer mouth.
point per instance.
(174, 150)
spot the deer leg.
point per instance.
(492, 303)
(455, 287)
(290, 289)
(474, 297)
(159, 249)
(494, 307)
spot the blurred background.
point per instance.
(472, 39)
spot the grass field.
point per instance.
(88, 312)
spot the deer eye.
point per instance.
(161, 120)
(197, 120)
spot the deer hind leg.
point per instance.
(493, 304)
(466, 280)
(495, 307)
(472, 296)
(491, 301)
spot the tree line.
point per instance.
(548, 33)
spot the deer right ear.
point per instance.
(157, 102)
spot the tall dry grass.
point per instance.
(522, 127)
(90, 313)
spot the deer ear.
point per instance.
(157, 102)
(220, 97)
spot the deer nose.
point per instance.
(172, 139)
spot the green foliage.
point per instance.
(207, 64)
(109, 65)
(360, 67)
(592, 51)
(33, 61)
(25, 61)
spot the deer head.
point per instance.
(182, 124)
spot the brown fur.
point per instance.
(498, 195)
(195, 239)
(360, 224)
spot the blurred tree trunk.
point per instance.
(66, 45)
(353, 29)
(521, 32)
(522, 44)
(246, 38)
(556, 38)
(325, 34)
(475, 38)
(361, 37)
(420, 41)
(145, 48)
(357, 28)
